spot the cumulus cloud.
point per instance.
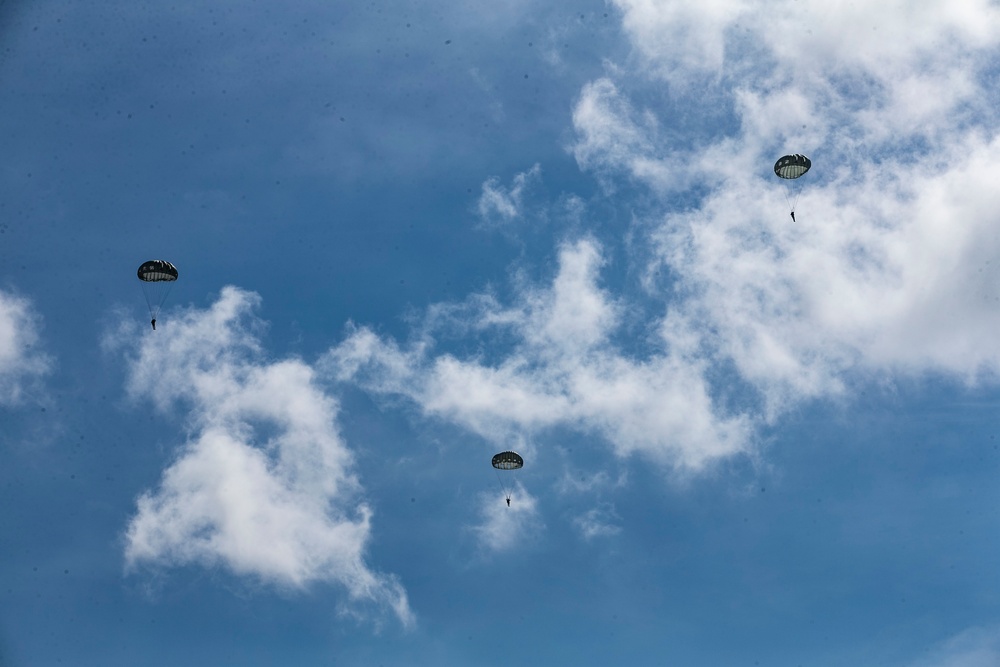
(782, 39)
(501, 528)
(564, 368)
(844, 79)
(21, 363)
(264, 486)
(900, 277)
(891, 267)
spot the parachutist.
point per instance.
(507, 461)
(789, 168)
(157, 277)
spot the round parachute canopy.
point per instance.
(508, 461)
(792, 166)
(157, 270)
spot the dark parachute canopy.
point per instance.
(157, 276)
(789, 168)
(507, 461)
(157, 270)
(792, 166)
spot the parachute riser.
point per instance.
(156, 294)
(792, 191)
(503, 487)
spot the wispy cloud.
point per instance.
(563, 369)
(598, 522)
(612, 135)
(21, 362)
(498, 204)
(579, 481)
(975, 647)
(264, 486)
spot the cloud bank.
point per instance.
(264, 485)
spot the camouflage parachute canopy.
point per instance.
(157, 270)
(508, 461)
(792, 166)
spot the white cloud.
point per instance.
(975, 647)
(891, 267)
(850, 80)
(563, 370)
(680, 36)
(264, 486)
(498, 204)
(899, 275)
(613, 135)
(502, 528)
(781, 40)
(21, 364)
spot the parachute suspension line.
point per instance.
(156, 293)
(166, 293)
(792, 191)
(503, 487)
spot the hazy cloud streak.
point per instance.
(975, 647)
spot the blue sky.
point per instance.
(411, 235)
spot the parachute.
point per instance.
(792, 166)
(789, 168)
(157, 276)
(507, 461)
